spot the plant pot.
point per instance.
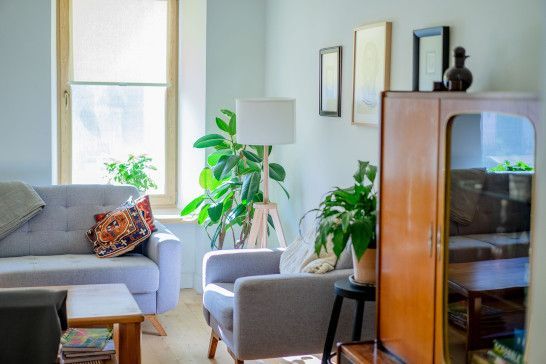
(364, 269)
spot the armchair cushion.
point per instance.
(218, 300)
(225, 266)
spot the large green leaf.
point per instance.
(203, 214)
(224, 166)
(210, 140)
(252, 156)
(192, 206)
(340, 241)
(277, 172)
(232, 125)
(238, 211)
(215, 212)
(361, 236)
(228, 202)
(371, 173)
(260, 150)
(227, 112)
(361, 172)
(213, 158)
(207, 180)
(251, 185)
(222, 125)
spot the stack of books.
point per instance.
(491, 320)
(506, 351)
(87, 346)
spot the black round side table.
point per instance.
(345, 289)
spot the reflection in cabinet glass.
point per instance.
(490, 168)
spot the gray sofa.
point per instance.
(499, 208)
(51, 249)
(260, 313)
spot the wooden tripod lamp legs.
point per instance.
(258, 231)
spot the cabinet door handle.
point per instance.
(430, 237)
(439, 242)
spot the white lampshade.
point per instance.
(266, 121)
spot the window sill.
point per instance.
(172, 216)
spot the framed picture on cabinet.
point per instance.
(330, 81)
(371, 71)
(430, 56)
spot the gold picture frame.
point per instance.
(371, 71)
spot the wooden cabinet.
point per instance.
(411, 254)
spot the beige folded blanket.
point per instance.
(300, 257)
(18, 204)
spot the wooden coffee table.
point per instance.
(107, 305)
(475, 280)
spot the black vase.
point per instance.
(458, 77)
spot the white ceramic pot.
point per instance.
(364, 269)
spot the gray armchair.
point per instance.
(260, 313)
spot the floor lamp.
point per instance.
(267, 121)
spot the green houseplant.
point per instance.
(231, 182)
(507, 166)
(133, 171)
(350, 214)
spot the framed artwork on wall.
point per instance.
(371, 71)
(430, 56)
(330, 81)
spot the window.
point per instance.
(117, 89)
(506, 138)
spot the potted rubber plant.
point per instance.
(348, 216)
(231, 183)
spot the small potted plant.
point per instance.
(134, 171)
(348, 215)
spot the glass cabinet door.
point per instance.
(491, 163)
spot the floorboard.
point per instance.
(188, 338)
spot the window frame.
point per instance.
(64, 104)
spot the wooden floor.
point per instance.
(188, 338)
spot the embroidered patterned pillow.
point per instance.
(145, 208)
(121, 231)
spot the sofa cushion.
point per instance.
(60, 227)
(137, 272)
(463, 249)
(119, 232)
(218, 300)
(507, 245)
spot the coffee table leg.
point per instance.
(474, 322)
(128, 344)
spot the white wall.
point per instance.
(501, 37)
(466, 142)
(235, 54)
(26, 84)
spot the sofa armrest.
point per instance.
(164, 248)
(228, 265)
(270, 312)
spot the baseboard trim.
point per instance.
(186, 280)
(197, 283)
